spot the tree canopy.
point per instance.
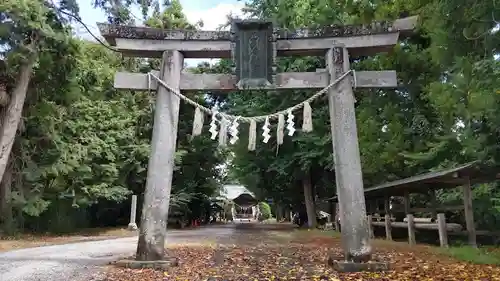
(81, 143)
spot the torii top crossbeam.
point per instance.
(366, 39)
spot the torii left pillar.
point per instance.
(153, 228)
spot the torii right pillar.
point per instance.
(349, 180)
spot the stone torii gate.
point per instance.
(255, 69)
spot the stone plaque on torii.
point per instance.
(253, 46)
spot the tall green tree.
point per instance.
(29, 27)
(443, 115)
(80, 142)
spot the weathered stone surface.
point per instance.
(363, 45)
(153, 223)
(226, 82)
(132, 226)
(349, 177)
(135, 264)
(252, 51)
(348, 266)
(110, 32)
(344, 30)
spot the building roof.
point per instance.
(239, 194)
(475, 172)
(232, 191)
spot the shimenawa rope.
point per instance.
(260, 118)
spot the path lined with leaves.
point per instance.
(84, 260)
(252, 254)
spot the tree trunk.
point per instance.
(278, 212)
(332, 211)
(288, 216)
(281, 207)
(308, 196)
(14, 112)
(6, 213)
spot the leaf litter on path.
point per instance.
(260, 256)
(30, 240)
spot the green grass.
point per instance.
(488, 256)
(473, 255)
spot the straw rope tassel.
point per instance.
(223, 132)
(197, 122)
(252, 135)
(213, 112)
(266, 130)
(307, 125)
(280, 129)
(149, 83)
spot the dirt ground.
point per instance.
(284, 254)
(29, 241)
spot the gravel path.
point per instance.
(81, 261)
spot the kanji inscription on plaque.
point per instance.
(253, 53)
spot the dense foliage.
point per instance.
(444, 115)
(264, 211)
(82, 147)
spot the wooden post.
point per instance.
(377, 209)
(333, 210)
(469, 213)
(370, 226)
(388, 227)
(349, 181)
(133, 212)
(337, 218)
(406, 201)
(331, 206)
(151, 245)
(387, 205)
(433, 201)
(443, 235)
(411, 229)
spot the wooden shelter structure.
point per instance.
(464, 176)
(238, 194)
